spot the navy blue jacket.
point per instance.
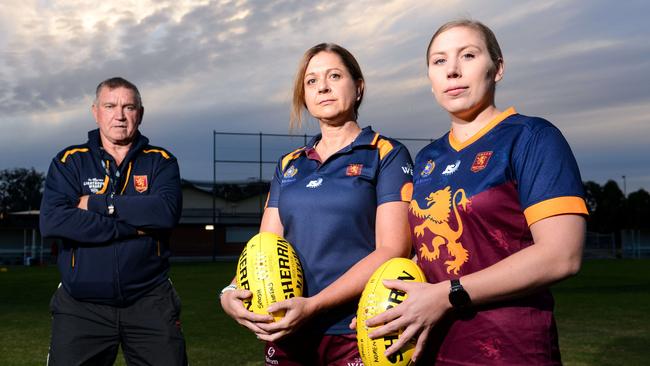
(112, 258)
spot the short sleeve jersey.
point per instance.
(328, 209)
(473, 203)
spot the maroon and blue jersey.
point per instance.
(473, 203)
(328, 209)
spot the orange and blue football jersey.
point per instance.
(473, 203)
(328, 209)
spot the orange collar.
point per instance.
(456, 145)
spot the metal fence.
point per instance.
(623, 244)
(635, 243)
(252, 157)
(599, 245)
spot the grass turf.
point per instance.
(603, 315)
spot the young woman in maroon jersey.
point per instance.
(497, 216)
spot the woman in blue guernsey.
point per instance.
(342, 202)
(497, 216)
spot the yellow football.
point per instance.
(269, 267)
(376, 299)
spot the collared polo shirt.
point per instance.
(328, 208)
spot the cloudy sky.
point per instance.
(228, 66)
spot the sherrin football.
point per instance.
(376, 299)
(269, 267)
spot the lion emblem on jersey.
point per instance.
(436, 219)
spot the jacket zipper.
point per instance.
(117, 175)
(72, 263)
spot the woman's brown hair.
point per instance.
(298, 104)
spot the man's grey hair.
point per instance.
(118, 82)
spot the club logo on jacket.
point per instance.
(481, 161)
(140, 183)
(94, 184)
(428, 168)
(451, 168)
(353, 170)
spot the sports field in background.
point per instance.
(603, 315)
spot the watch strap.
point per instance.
(455, 284)
(458, 297)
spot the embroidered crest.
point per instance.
(289, 173)
(353, 170)
(140, 183)
(428, 168)
(481, 161)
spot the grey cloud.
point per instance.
(209, 71)
(154, 50)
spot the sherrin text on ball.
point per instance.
(269, 267)
(376, 299)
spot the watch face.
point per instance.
(458, 297)
(461, 299)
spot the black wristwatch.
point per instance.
(458, 297)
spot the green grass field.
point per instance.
(603, 315)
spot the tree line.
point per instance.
(610, 210)
(21, 189)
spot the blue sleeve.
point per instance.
(60, 216)
(274, 191)
(545, 167)
(395, 175)
(160, 209)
